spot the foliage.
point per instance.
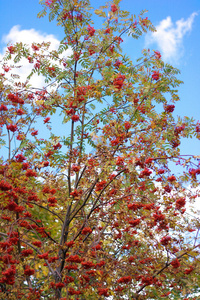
(92, 209)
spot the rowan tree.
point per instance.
(95, 211)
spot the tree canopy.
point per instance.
(94, 209)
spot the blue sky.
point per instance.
(177, 39)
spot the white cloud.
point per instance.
(193, 207)
(28, 37)
(169, 37)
